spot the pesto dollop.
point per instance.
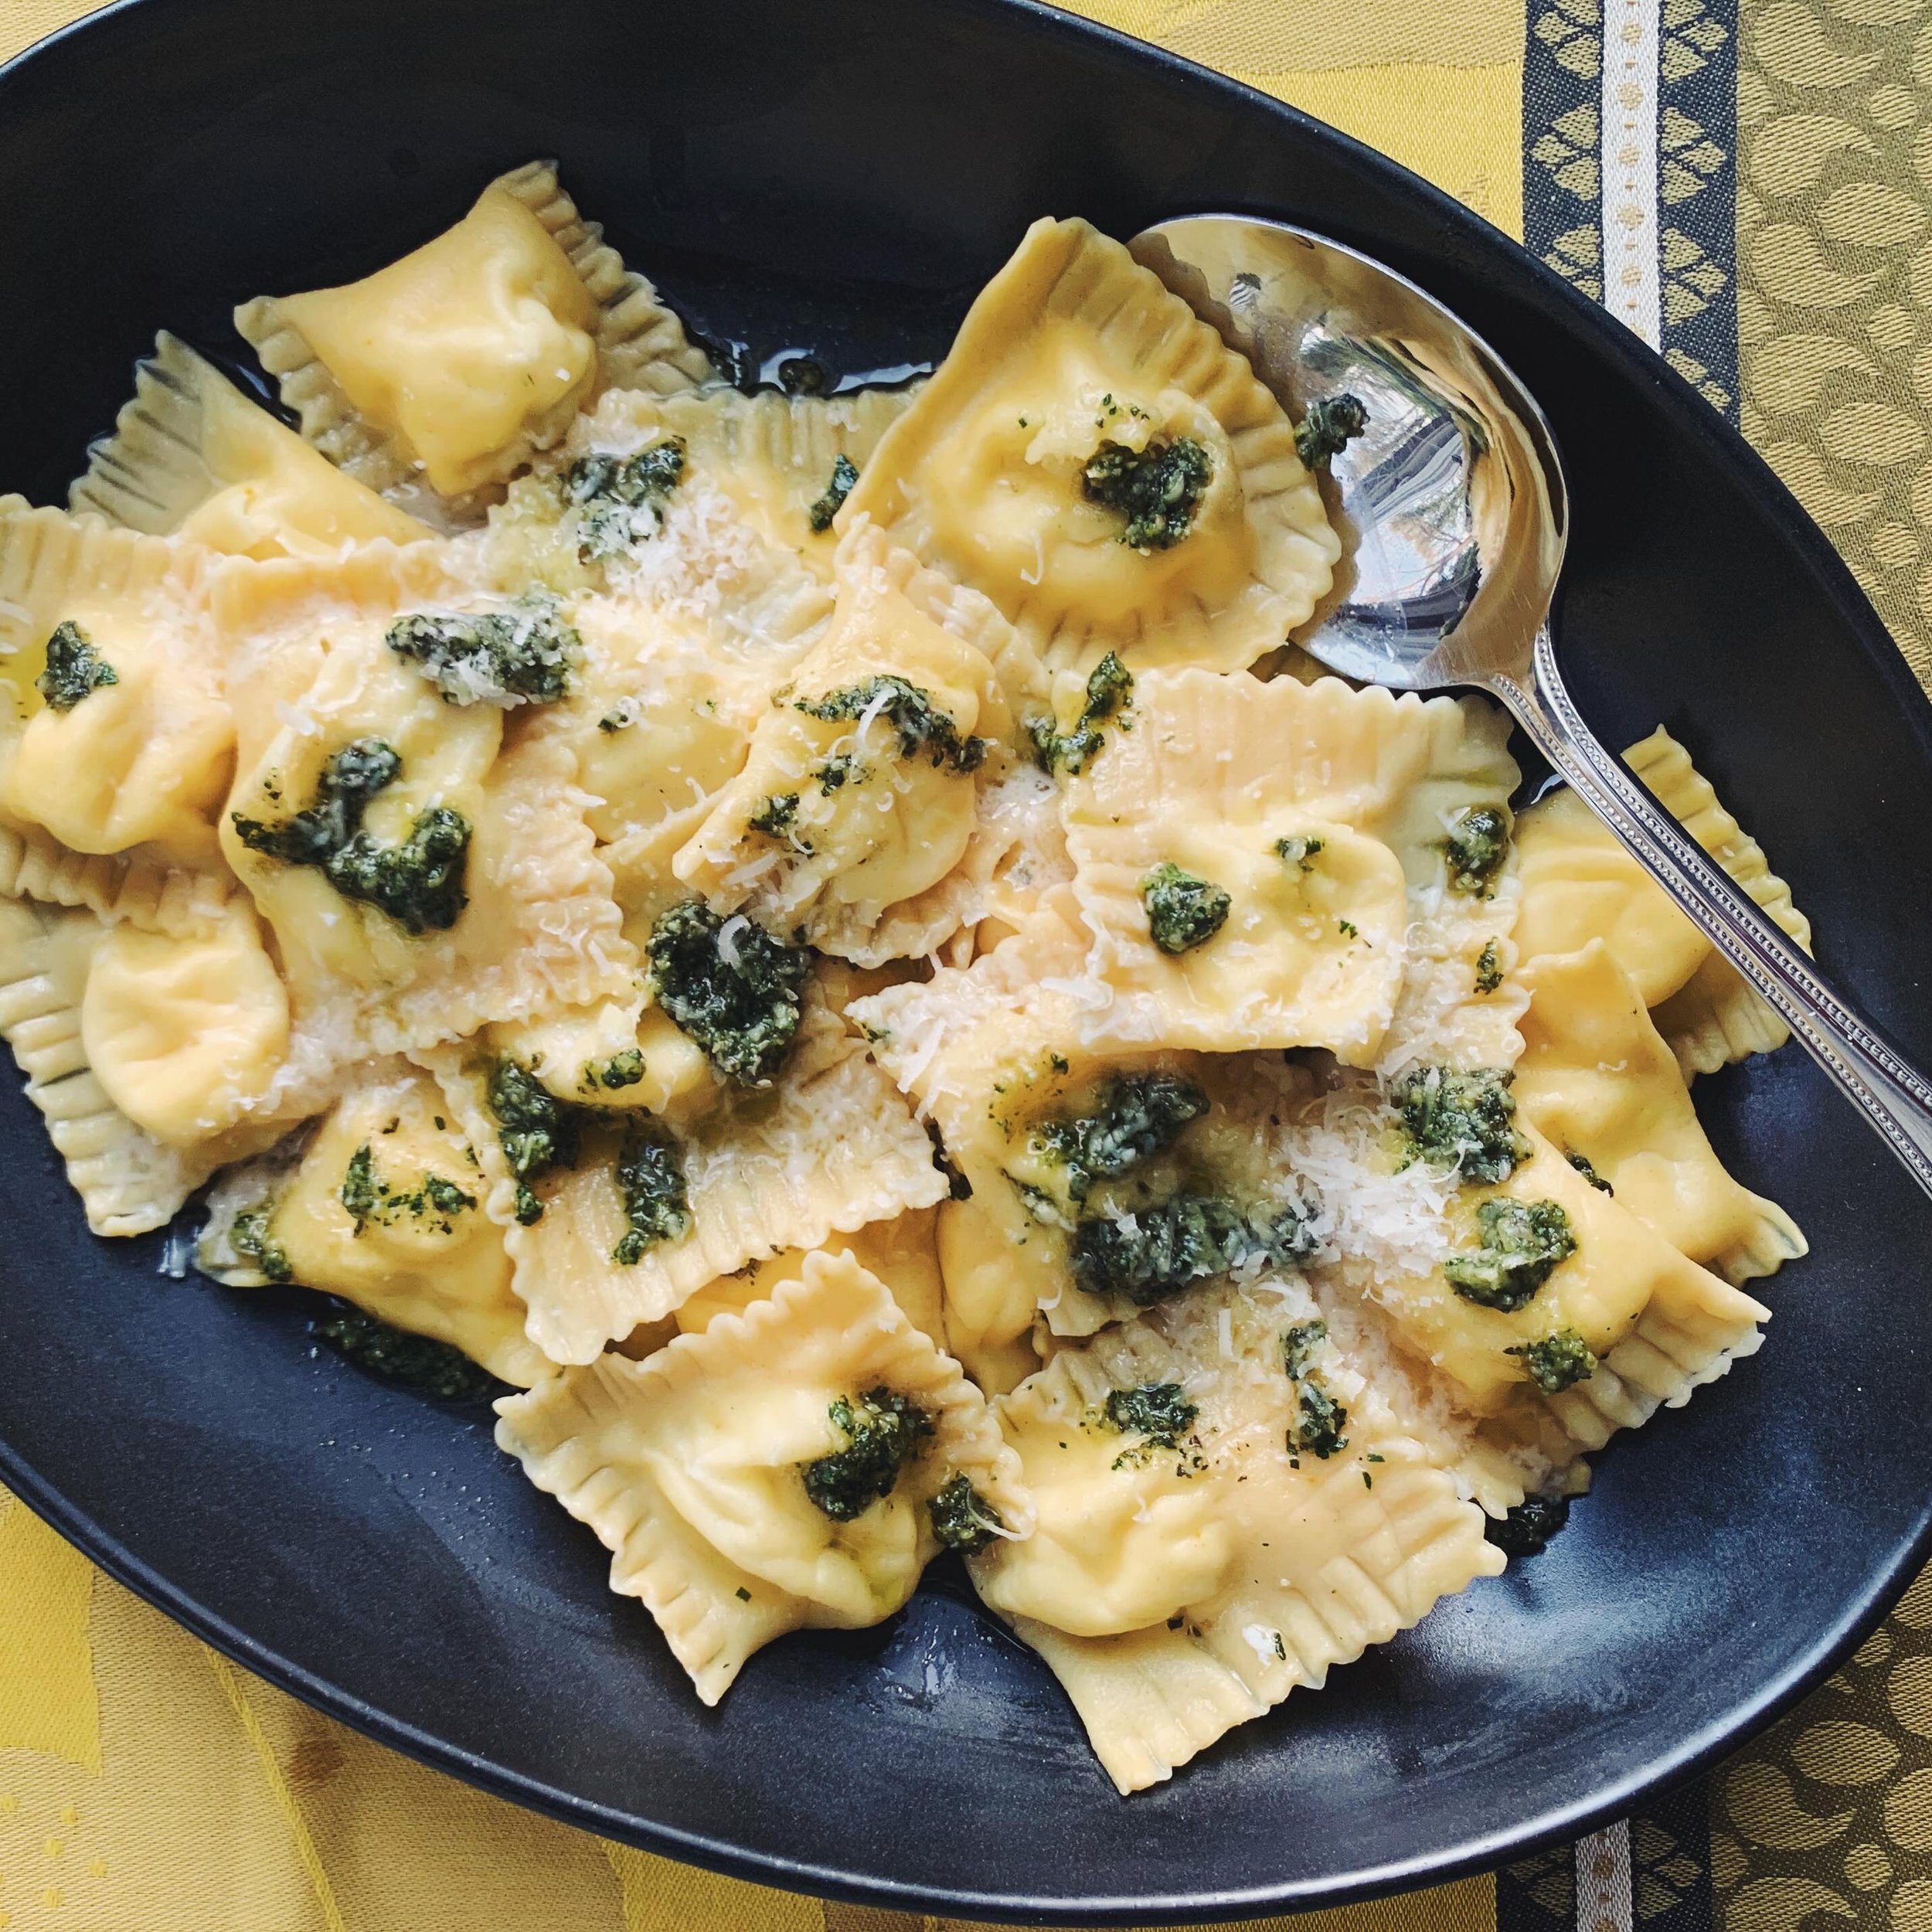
(1158, 1251)
(536, 1130)
(844, 477)
(522, 654)
(1156, 1411)
(1528, 1528)
(418, 884)
(742, 1002)
(1522, 1242)
(1156, 490)
(416, 1362)
(1331, 423)
(1319, 1421)
(1109, 685)
(961, 1518)
(74, 668)
(366, 1197)
(249, 1236)
(883, 1432)
(1134, 1116)
(1477, 844)
(650, 1176)
(1557, 1362)
(924, 730)
(1462, 1120)
(1183, 909)
(620, 500)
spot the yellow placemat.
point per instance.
(1726, 180)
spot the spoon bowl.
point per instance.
(1452, 512)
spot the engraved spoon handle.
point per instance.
(1869, 1071)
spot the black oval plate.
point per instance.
(841, 177)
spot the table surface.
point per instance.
(1747, 184)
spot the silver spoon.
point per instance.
(1455, 515)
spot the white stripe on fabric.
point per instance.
(1627, 157)
(1602, 1880)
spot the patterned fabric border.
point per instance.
(1629, 182)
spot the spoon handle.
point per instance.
(1895, 1098)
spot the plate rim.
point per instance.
(1725, 444)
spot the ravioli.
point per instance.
(861, 792)
(128, 1181)
(1598, 1080)
(1074, 354)
(826, 1149)
(473, 352)
(132, 749)
(1579, 883)
(692, 1466)
(192, 457)
(1300, 813)
(507, 913)
(384, 1208)
(1183, 1581)
(1620, 1275)
(185, 1033)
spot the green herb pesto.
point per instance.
(620, 500)
(1134, 1116)
(650, 1174)
(1299, 852)
(1109, 685)
(1522, 1242)
(962, 1518)
(348, 780)
(834, 771)
(534, 1129)
(1183, 909)
(1158, 1412)
(1581, 1163)
(248, 1235)
(1158, 1251)
(623, 1068)
(1528, 1527)
(1466, 1120)
(367, 1197)
(922, 729)
(1330, 425)
(776, 817)
(414, 1361)
(419, 884)
(1489, 968)
(742, 1002)
(883, 1432)
(1156, 490)
(1557, 1362)
(1298, 1344)
(1320, 1422)
(845, 474)
(1477, 844)
(74, 668)
(523, 654)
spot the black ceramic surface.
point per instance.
(841, 177)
